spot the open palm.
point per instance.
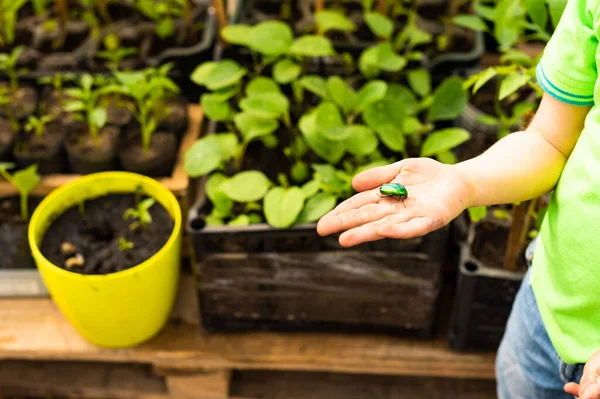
(436, 194)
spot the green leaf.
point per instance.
(332, 181)
(311, 188)
(219, 75)
(380, 57)
(209, 152)
(511, 84)
(165, 28)
(74, 106)
(370, 92)
(268, 105)
(556, 7)
(446, 157)
(331, 151)
(271, 38)
(237, 34)
(283, 205)
(508, 18)
(380, 25)
(450, 99)
(329, 122)
(331, 20)
(98, 117)
(240, 220)
(403, 97)
(260, 85)
(253, 126)
(443, 140)
(386, 117)
(26, 179)
(485, 77)
(341, 93)
(512, 56)
(214, 108)
(417, 36)
(420, 81)
(536, 9)
(312, 46)
(299, 172)
(411, 125)
(485, 12)
(213, 184)
(317, 207)
(286, 70)
(360, 140)
(315, 84)
(477, 213)
(247, 186)
(472, 22)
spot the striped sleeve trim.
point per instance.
(559, 94)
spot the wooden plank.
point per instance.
(178, 182)
(209, 384)
(35, 329)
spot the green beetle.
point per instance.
(394, 190)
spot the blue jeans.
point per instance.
(527, 365)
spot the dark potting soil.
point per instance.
(490, 243)
(95, 235)
(6, 137)
(14, 244)
(23, 102)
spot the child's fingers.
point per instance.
(395, 227)
(375, 177)
(371, 231)
(355, 217)
(332, 222)
(572, 388)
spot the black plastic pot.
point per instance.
(89, 160)
(159, 160)
(483, 301)
(51, 159)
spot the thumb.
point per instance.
(375, 177)
(572, 388)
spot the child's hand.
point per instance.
(589, 386)
(437, 193)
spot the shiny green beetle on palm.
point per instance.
(394, 190)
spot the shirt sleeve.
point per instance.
(567, 69)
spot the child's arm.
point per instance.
(520, 166)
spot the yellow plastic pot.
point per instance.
(121, 309)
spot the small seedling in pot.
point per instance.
(149, 88)
(8, 20)
(24, 181)
(124, 244)
(87, 105)
(141, 213)
(114, 53)
(37, 125)
(8, 66)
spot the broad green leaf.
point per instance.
(341, 93)
(450, 99)
(331, 20)
(361, 140)
(199, 75)
(213, 184)
(219, 75)
(237, 34)
(367, 5)
(509, 17)
(240, 220)
(443, 140)
(446, 157)
(387, 60)
(420, 81)
(214, 108)
(255, 218)
(386, 117)
(411, 125)
(222, 203)
(283, 205)
(370, 92)
(286, 70)
(403, 97)
(268, 105)
(214, 219)
(260, 85)
(417, 36)
(311, 188)
(299, 172)
(74, 106)
(209, 152)
(536, 9)
(332, 181)
(247, 186)
(513, 56)
(477, 213)
(315, 84)
(329, 122)
(484, 11)
(511, 84)
(317, 207)
(98, 117)
(271, 38)
(312, 46)
(472, 22)
(224, 94)
(556, 7)
(487, 75)
(331, 151)
(380, 25)
(253, 126)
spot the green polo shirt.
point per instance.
(566, 261)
